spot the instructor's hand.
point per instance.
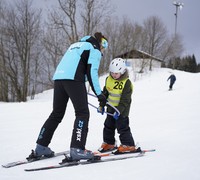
(102, 100)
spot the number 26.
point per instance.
(118, 85)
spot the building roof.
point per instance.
(137, 54)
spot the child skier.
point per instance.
(118, 90)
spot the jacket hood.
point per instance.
(91, 40)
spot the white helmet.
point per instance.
(117, 65)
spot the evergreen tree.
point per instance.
(177, 63)
(198, 68)
(170, 64)
(193, 64)
(187, 63)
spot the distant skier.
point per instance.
(172, 78)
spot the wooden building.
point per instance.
(141, 61)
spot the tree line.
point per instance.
(33, 40)
(187, 63)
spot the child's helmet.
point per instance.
(117, 65)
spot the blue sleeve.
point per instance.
(92, 70)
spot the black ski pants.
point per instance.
(171, 84)
(63, 91)
(122, 126)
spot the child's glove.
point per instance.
(101, 110)
(116, 115)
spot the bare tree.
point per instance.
(111, 30)
(59, 32)
(67, 23)
(123, 37)
(64, 18)
(21, 30)
(93, 14)
(55, 45)
(173, 47)
(155, 34)
(3, 76)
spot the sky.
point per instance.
(165, 120)
(188, 25)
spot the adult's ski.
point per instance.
(25, 161)
(87, 162)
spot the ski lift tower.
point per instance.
(178, 5)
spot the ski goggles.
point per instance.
(104, 43)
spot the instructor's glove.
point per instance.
(101, 110)
(116, 115)
(102, 100)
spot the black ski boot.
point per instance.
(33, 156)
(69, 159)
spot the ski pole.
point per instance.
(97, 108)
(106, 103)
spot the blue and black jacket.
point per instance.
(81, 61)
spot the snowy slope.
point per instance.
(166, 120)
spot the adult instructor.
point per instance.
(80, 62)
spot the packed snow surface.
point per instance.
(168, 121)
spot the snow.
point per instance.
(165, 120)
